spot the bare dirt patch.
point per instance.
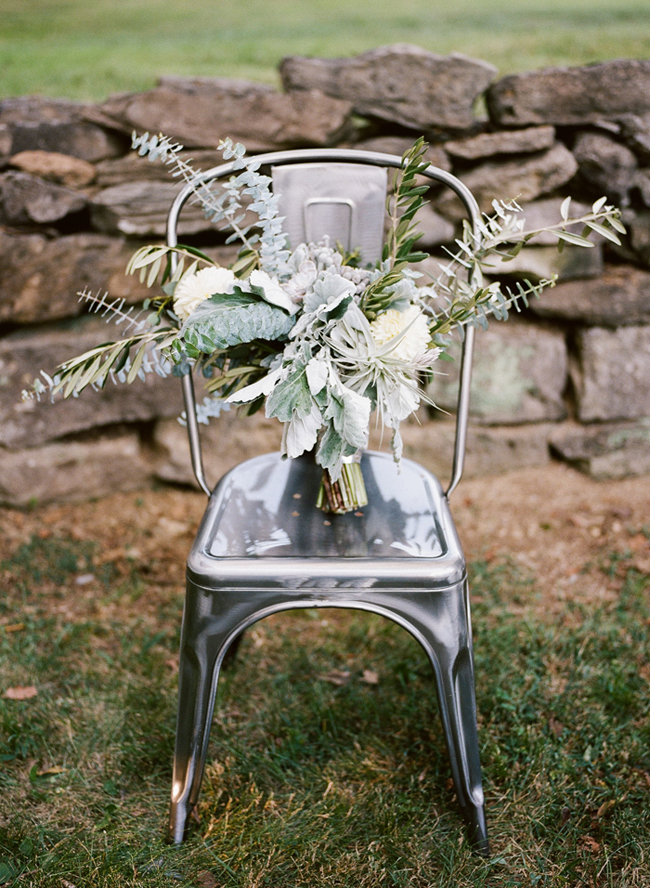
(574, 536)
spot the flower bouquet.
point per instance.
(317, 340)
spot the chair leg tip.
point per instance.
(177, 829)
(477, 829)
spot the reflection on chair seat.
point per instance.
(266, 509)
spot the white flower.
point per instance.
(409, 329)
(194, 289)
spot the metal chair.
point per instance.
(257, 553)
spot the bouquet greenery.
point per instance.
(319, 341)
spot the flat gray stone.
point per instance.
(37, 123)
(71, 172)
(542, 263)
(642, 182)
(635, 129)
(546, 211)
(29, 423)
(606, 165)
(398, 145)
(435, 228)
(572, 96)
(5, 140)
(400, 83)
(199, 112)
(520, 374)
(40, 277)
(489, 451)
(72, 471)
(522, 178)
(524, 141)
(605, 450)
(620, 297)
(612, 373)
(233, 438)
(638, 226)
(122, 170)
(226, 441)
(25, 200)
(140, 208)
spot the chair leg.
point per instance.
(455, 685)
(198, 676)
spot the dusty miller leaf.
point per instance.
(290, 396)
(231, 319)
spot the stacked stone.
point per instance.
(566, 379)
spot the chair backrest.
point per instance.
(345, 201)
(341, 193)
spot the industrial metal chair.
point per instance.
(257, 552)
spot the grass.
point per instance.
(88, 50)
(316, 778)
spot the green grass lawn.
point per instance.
(87, 50)
(327, 763)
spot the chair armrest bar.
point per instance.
(462, 410)
(193, 432)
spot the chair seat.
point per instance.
(262, 527)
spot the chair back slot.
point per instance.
(343, 201)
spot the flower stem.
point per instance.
(344, 495)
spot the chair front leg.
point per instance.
(198, 677)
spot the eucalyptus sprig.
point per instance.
(467, 300)
(262, 243)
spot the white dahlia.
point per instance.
(196, 288)
(408, 328)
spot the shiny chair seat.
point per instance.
(264, 547)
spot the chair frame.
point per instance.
(427, 596)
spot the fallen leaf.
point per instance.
(587, 843)
(206, 879)
(555, 725)
(641, 564)
(20, 693)
(370, 677)
(15, 627)
(50, 772)
(336, 677)
(605, 807)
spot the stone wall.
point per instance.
(568, 379)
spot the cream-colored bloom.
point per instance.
(411, 323)
(196, 288)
